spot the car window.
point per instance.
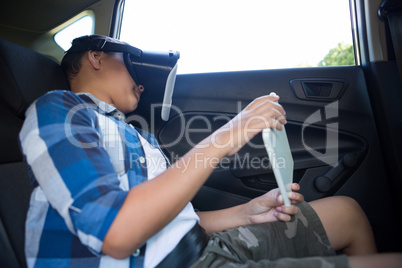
(231, 35)
(83, 26)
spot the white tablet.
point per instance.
(278, 149)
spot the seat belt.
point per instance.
(188, 251)
(392, 10)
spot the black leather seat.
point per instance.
(24, 76)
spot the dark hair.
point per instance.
(71, 62)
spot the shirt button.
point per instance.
(137, 253)
(142, 160)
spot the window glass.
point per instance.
(232, 35)
(83, 26)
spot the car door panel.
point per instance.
(332, 135)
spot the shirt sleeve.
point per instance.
(63, 148)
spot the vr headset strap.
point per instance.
(104, 45)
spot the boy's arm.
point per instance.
(266, 208)
(153, 204)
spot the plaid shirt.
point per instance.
(64, 136)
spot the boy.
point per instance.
(97, 201)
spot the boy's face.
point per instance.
(124, 93)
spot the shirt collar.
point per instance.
(102, 107)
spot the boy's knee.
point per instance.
(348, 202)
(344, 209)
(351, 208)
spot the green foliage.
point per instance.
(343, 54)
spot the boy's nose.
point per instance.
(141, 88)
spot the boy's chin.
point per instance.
(133, 108)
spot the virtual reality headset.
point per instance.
(144, 66)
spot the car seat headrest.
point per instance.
(25, 75)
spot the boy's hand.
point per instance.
(270, 207)
(263, 112)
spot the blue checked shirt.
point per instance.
(65, 136)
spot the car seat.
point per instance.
(24, 76)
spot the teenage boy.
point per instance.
(100, 200)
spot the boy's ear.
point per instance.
(95, 58)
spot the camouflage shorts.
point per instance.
(302, 242)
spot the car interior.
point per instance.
(344, 122)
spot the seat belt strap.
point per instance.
(394, 16)
(395, 25)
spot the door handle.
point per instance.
(318, 89)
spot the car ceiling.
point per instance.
(39, 16)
